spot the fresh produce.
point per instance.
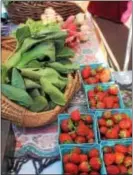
(118, 161)
(81, 163)
(78, 128)
(93, 76)
(36, 74)
(104, 99)
(115, 126)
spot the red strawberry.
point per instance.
(100, 105)
(81, 122)
(103, 129)
(76, 150)
(95, 163)
(113, 170)
(65, 138)
(128, 161)
(86, 72)
(93, 153)
(109, 123)
(116, 106)
(91, 94)
(66, 158)
(124, 116)
(102, 122)
(97, 77)
(113, 90)
(107, 149)
(73, 134)
(120, 148)
(83, 157)
(80, 139)
(129, 149)
(94, 173)
(119, 157)
(123, 169)
(107, 114)
(92, 102)
(125, 123)
(67, 125)
(124, 133)
(74, 158)
(90, 134)
(99, 96)
(112, 134)
(116, 127)
(82, 130)
(130, 130)
(117, 118)
(71, 168)
(116, 99)
(130, 170)
(100, 68)
(88, 119)
(84, 167)
(98, 88)
(108, 101)
(93, 72)
(75, 115)
(109, 158)
(91, 140)
(91, 80)
(83, 173)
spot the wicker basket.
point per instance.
(20, 115)
(20, 11)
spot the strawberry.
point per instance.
(120, 148)
(93, 153)
(108, 101)
(90, 134)
(100, 68)
(124, 116)
(82, 130)
(91, 140)
(75, 115)
(130, 130)
(71, 168)
(66, 158)
(102, 122)
(117, 117)
(103, 129)
(109, 158)
(129, 170)
(105, 76)
(113, 90)
(123, 169)
(109, 123)
(93, 72)
(125, 123)
(119, 157)
(84, 167)
(116, 106)
(83, 157)
(80, 139)
(74, 158)
(116, 99)
(95, 163)
(81, 122)
(100, 105)
(97, 77)
(128, 161)
(65, 138)
(112, 170)
(91, 94)
(67, 125)
(94, 173)
(86, 72)
(83, 173)
(91, 80)
(112, 134)
(76, 150)
(73, 134)
(107, 114)
(124, 133)
(107, 149)
(98, 88)
(92, 102)
(88, 119)
(116, 127)
(99, 96)
(129, 149)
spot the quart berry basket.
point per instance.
(99, 114)
(62, 117)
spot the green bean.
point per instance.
(29, 84)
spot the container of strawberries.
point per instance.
(114, 124)
(103, 96)
(82, 160)
(77, 128)
(95, 74)
(117, 156)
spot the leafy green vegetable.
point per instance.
(33, 64)
(34, 93)
(17, 94)
(31, 84)
(17, 80)
(66, 52)
(4, 75)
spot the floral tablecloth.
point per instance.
(39, 145)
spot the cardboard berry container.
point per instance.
(62, 117)
(105, 87)
(99, 114)
(94, 66)
(112, 144)
(85, 149)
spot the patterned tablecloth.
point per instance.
(39, 145)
